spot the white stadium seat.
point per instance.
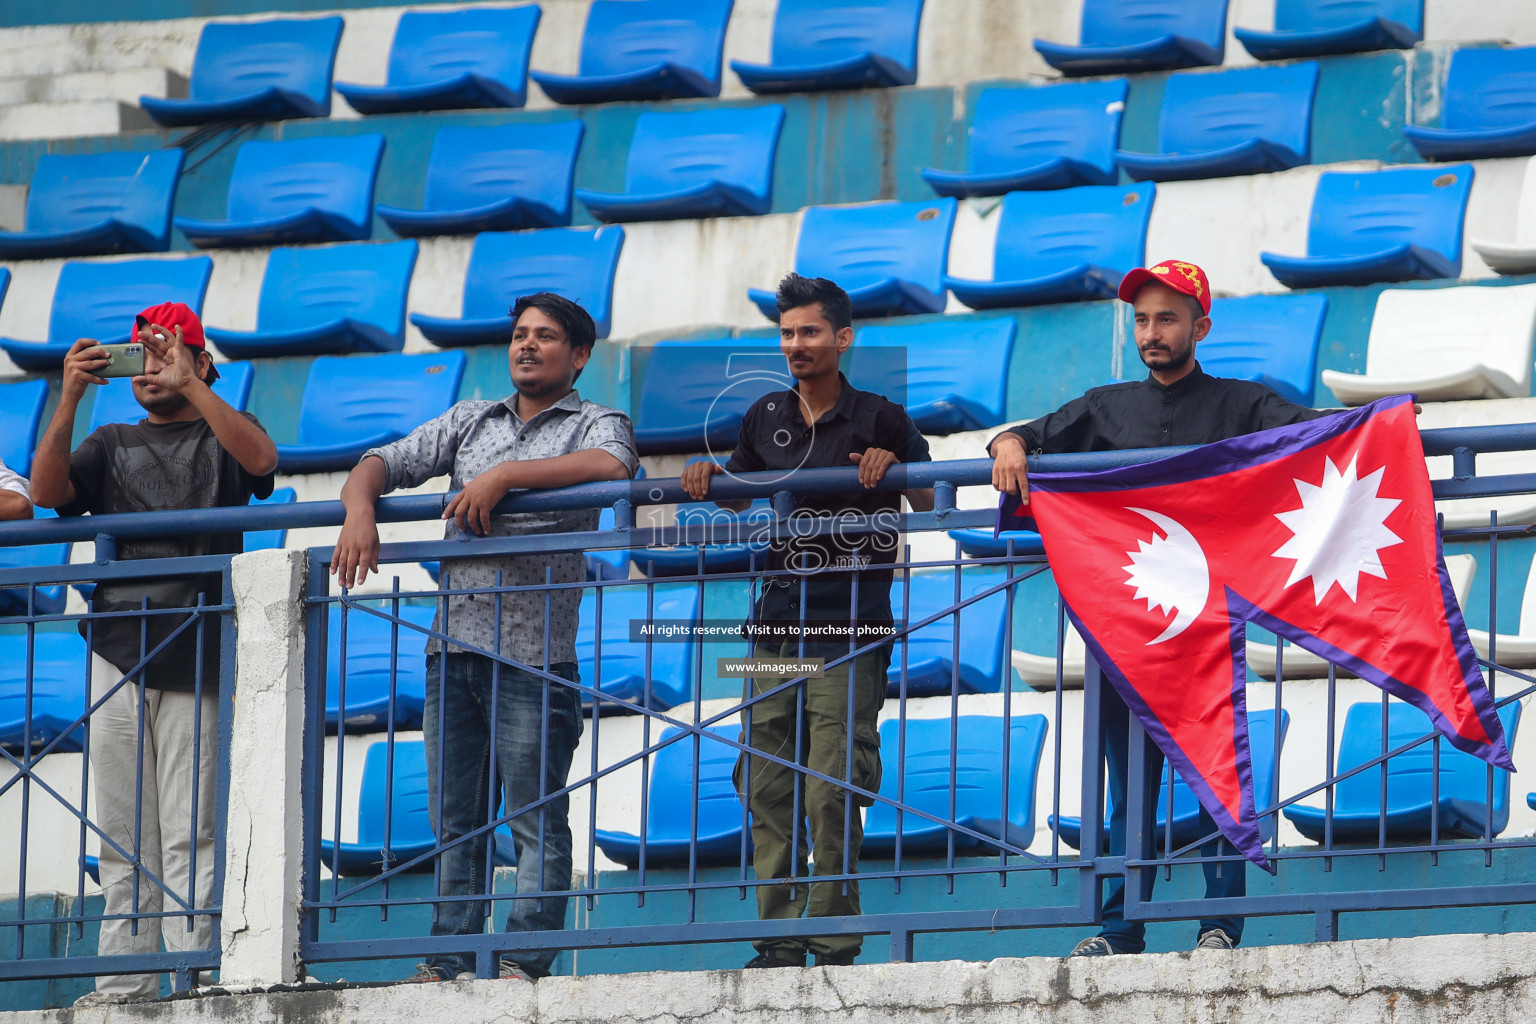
(1519, 256)
(1518, 651)
(1444, 345)
(1039, 670)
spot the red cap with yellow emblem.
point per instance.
(1176, 274)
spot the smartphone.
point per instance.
(127, 360)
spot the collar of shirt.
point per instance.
(571, 402)
(1181, 387)
(789, 409)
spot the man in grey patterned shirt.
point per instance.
(544, 435)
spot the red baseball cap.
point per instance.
(172, 315)
(1176, 274)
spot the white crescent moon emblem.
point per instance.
(1170, 573)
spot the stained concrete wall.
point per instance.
(1401, 981)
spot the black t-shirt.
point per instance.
(774, 436)
(152, 467)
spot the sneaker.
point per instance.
(94, 998)
(1216, 938)
(835, 959)
(509, 970)
(1098, 945)
(437, 972)
(774, 960)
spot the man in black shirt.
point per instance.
(1177, 404)
(192, 450)
(822, 421)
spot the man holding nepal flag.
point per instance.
(1177, 404)
(1318, 527)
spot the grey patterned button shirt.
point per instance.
(469, 439)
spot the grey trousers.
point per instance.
(159, 829)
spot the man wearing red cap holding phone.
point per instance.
(192, 450)
(1177, 404)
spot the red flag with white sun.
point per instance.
(1323, 532)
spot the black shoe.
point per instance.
(771, 959)
(1098, 945)
(835, 959)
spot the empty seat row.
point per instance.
(630, 50)
(720, 162)
(335, 299)
(1149, 35)
(693, 164)
(1215, 124)
(662, 49)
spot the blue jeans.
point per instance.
(1229, 879)
(475, 706)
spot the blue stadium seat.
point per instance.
(621, 672)
(1271, 339)
(697, 163)
(409, 833)
(978, 542)
(694, 393)
(298, 190)
(1142, 35)
(368, 667)
(256, 71)
(575, 262)
(1366, 227)
(1488, 108)
(889, 257)
(1227, 123)
(1062, 246)
(983, 665)
(819, 45)
(448, 60)
(1186, 806)
(60, 669)
(1463, 798)
(94, 203)
(931, 369)
(683, 560)
(355, 403)
(21, 415)
(968, 770)
(1314, 28)
(1056, 136)
(318, 301)
(260, 540)
(671, 826)
(645, 50)
(47, 600)
(495, 178)
(100, 300)
(115, 402)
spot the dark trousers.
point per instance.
(811, 724)
(535, 722)
(1229, 879)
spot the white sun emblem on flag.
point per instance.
(1339, 531)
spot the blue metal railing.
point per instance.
(78, 700)
(609, 764)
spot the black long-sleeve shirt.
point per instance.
(1196, 409)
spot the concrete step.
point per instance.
(85, 86)
(67, 120)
